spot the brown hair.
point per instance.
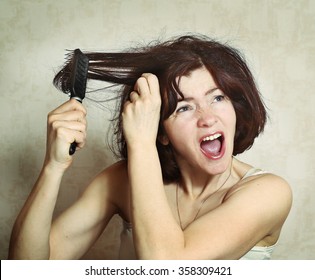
(168, 61)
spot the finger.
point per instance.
(69, 136)
(78, 116)
(70, 105)
(142, 87)
(67, 130)
(79, 139)
(72, 125)
(133, 96)
(153, 83)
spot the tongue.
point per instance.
(211, 147)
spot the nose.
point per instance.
(206, 118)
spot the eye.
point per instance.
(183, 109)
(219, 98)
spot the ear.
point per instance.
(163, 139)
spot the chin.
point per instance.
(220, 163)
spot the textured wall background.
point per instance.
(277, 37)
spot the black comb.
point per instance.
(78, 80)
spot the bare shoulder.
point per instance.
(268, 192)
(267, 183)
(102, 193)
(113, 183)
(252, 214)
(114, 174)
(112, 180)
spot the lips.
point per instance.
(213, 145)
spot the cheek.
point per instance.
(231, 116)
(176, 132)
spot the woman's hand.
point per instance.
(65, 125)
(141, 114)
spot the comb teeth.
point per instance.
(79, 75)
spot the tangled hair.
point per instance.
(169, 60)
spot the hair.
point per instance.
(169, 60)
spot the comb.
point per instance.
(78, 79)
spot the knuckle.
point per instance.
(139, 84)
(55, 125)
(84, 121)
(81, 115)
(60, 132)
(50, 118)
(83, 128)
(141, 79)
(152, 78)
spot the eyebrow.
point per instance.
(208, 92)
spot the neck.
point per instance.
(207, 192)
(201, 185)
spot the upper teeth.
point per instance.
(212, 137)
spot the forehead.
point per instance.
(198, 81)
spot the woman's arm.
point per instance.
(70, 236)
(155, 228)
(30, 235)
(77, 228)
(154, 224)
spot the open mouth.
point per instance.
(212, 145)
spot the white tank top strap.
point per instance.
(253, 172)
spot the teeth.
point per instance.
(212, 137)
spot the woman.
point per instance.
(188, 106)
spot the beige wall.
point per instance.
(278, 38)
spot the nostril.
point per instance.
(206, 120)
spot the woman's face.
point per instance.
(202, 127)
